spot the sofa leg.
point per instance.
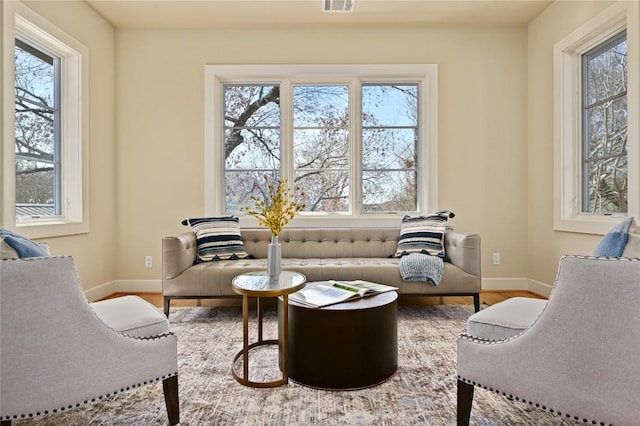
(5, 423)
(476, 302)
(167, 301)
(170, 388)
(465, 400)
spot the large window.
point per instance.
(45, 139)
(597, 151)
(359, 146)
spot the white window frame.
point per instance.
(218, 75)
(567, 208)
(19, 20)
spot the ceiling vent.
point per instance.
(338, 5)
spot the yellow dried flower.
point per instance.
(279, 207)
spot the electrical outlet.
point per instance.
(496, 258)
(148, 261)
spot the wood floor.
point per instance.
(488, 297)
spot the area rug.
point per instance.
(421, 392)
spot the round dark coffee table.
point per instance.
(350, 345)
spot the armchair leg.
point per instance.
(476, 302)
(170, 388)
(167, 302)
(5, 423)
(465, 400)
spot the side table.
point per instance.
(260, 285)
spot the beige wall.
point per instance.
(94, 251)
(147, 128)
(546, 246)
(482, 123)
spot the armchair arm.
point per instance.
(463, 250)
(178, 254)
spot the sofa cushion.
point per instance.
(131, 315)
(505, 319)
(217, 238)
(423, 234)
(214, 279)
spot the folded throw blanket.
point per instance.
(422, 267)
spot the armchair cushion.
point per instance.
(217, 238)
(505, 319)
(132, 316)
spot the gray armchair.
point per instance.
(58, 352)
(580, 359)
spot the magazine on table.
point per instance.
(331, 292)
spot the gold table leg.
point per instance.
(244, 352)
(245, 336)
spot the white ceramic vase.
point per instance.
(274, 258)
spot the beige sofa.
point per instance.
(320, 254)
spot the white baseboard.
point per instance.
(155, 286)
(540, 288)
(101, 291)
(525, 284)
(124, 286)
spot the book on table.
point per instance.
(332, 292)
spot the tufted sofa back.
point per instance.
(304, 243)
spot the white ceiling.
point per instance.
(243, 13)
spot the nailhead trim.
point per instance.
(29, 259)
(156, 337)
(537, 405)
(55, 410)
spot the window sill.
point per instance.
(588, 224)
(45, 228)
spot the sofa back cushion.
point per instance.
(305, 243)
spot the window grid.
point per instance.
(324, 163)
(26, 102)
(396, 162)
(597, 164)
(321, 146)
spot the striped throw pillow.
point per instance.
(218, 238)
(423, 234)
